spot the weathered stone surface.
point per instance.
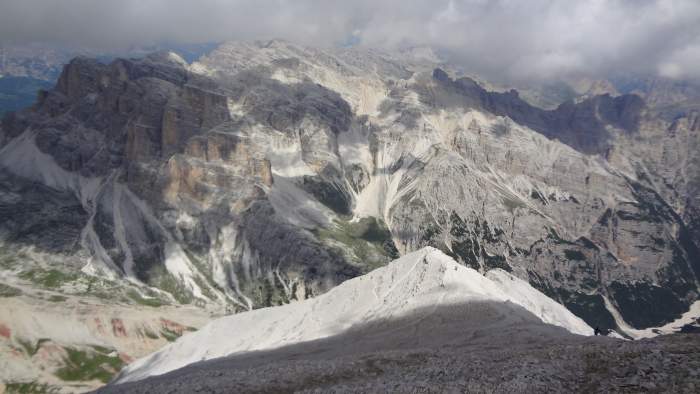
(237, 180)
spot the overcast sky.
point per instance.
(511, 38)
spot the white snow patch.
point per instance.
(424, 279)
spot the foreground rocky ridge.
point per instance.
(417, 287)
(422, 323)
(269, 172)
(444, 360)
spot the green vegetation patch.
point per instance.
(32, 348)
(368, 239)
(170, 335)
(102, 349)
(9, 291)
(84, 366)
(207, 284)
(57, 298)
(30, 388)
(204, 287)
(270, 292)
(8, 261)
(159, 277)
(50, 279)
(100, 288)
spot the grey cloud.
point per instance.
(506, 38)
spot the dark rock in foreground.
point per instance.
(445, 353)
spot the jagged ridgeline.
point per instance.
(270, 172)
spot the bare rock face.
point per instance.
(268, 172)
(582, 126)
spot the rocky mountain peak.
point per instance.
(583, 125)
(266, 174)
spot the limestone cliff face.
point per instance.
(268, 172)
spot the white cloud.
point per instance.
(511, 38)
(682, 63)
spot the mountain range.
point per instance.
(268, 173)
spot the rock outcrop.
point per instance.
(269, 172)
